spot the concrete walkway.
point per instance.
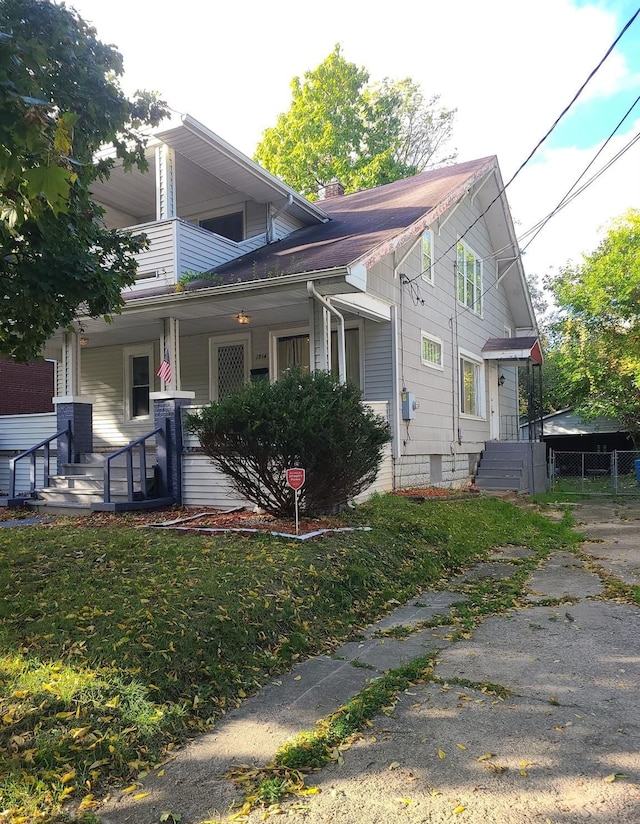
(563, 748)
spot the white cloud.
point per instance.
(579, 227)
(508, 67)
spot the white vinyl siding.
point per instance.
(19, 433)
(204, 485)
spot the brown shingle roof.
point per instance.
(358, 224)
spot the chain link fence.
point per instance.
(595, 473)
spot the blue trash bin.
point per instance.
(637, 466)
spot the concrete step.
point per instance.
(86, 483)
(96, 471)
(59, 495)
(56, 496)
(491, 472)
(498, 449)
(506, 462)
(497, 483)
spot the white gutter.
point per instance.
(342, 353)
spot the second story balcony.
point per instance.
(178, 248)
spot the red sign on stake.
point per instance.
(295, 478)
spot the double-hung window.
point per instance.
(471, 387)
(138, 381)
(427, 257)
(469, 274)
(431, 354)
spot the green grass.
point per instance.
(119, 643)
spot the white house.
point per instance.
(414, 290)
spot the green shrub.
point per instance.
(306, 420)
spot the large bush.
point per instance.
(307, 420)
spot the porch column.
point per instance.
(165, 182)
(72, 407)
(168, 406)
(170, 354)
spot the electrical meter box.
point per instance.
(408, 406)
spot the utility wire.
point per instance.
(541, 141)
(564, 202)
(570, 194)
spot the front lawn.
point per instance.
(119, 642)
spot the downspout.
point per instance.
(395, 412)
(275, 215)
(342, 355)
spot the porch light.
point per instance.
(501, 380)
(242, 318)
(84, 341)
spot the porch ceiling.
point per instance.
(205, 311)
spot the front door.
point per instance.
(494, 402)
(229, 365)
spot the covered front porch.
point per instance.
(113, 395)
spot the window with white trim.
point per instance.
(471, 387)
(469, 274)
(138, 381)
(427, 256)
(431, 352)
(293, 351)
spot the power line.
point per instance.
(568, 197)
(564, 202)
(540, 142)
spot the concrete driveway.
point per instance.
(562, 748)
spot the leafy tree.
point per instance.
(340, 127)
(59, 102)
(305, 419)
(598, 330)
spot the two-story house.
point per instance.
(414, 291)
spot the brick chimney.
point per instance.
(331, 189)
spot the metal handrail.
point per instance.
(162, 459)
(32, 452)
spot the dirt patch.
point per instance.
(193, 517)
(428, 493)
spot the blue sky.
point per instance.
(508, 66)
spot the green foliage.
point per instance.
(339, 127)
(307, 420)
(59, 102)
(597, 343)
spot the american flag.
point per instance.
(164, 370)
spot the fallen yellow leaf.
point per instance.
(461, 746)
(442, 754)
(459, 809)
(394, 765)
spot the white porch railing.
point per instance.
(177, 247)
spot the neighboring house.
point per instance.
(566, 431)
(26, 387)
(414, 291)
